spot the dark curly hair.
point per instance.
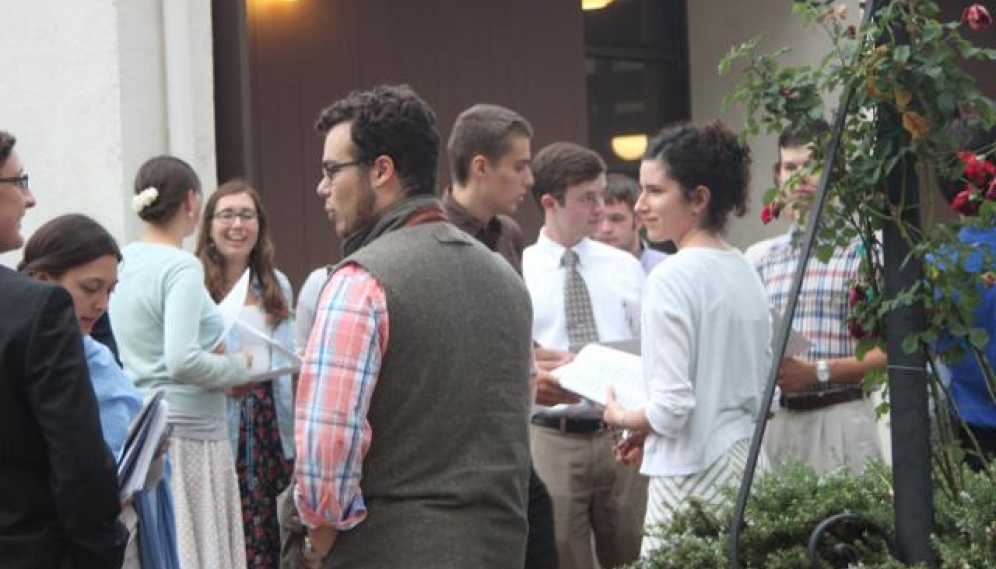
(709, 156)
(172, 178)
(7, 142)
(393, 121)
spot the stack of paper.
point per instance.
(146, 435)
(262, 369)
(597, 368)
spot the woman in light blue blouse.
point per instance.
(75, 252)
(170, 336)
(234, 237)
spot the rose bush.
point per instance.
(906, 88)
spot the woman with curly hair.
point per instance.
(705, 321)
(234, 236)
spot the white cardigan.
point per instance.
(706, 354)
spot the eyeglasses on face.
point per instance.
(19, 181)
(590, 198)
(227, 216)
(330, 167)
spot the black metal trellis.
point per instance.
(907, 375)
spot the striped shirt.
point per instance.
(341, 366)
(821, 310)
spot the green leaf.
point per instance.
(946, 102)
(978, 338)
(901, 53)
(910, 344)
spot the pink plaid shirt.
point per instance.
(341, 366)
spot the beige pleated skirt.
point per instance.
(208, 508)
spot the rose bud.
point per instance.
(964, 204)
(855, 329)
(977, 17)
(988, 279)
(855, 296)
(770, 212)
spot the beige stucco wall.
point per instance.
(84, 90)
(713, 27)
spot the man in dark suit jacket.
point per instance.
(58, 489)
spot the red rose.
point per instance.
(770, 212)
(991, 192)
(975, 169)
(964, 203)
(989, 168)
(966, 157)
(851, 32)
(858, 294)
(855, 329)
(977, 17)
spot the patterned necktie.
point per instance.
(581, 327)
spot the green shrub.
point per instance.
(783, 511)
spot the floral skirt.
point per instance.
(206, 501)
(263, 474)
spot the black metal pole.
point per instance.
(782, 334)
(913, 500)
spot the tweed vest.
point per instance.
(445, 478)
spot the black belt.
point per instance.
(573, 425)
(808, 401)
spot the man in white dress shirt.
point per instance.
(595, 498)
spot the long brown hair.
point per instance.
(275, 304)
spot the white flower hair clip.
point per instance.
(144, 199)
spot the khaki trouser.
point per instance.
(825, 438)
(595, 498)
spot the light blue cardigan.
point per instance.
(283, 386)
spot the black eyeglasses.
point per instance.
(330, 167)
(19, 181)
(227, 216)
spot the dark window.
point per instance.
(637, 72)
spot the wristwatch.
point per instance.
(309, 553)
(822, 371)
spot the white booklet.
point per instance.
(231, 306)
(262, 368)
(797, 343)
(598, 367)
(146, 435)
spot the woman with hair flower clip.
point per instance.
(169, 333)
